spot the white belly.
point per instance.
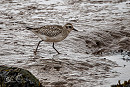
(57, 38)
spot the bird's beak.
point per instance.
(75, 29)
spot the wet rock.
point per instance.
(17, 77)
(125, 84)
(101, 41)
(128, 53)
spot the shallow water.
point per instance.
(95, 22)
(123, 69)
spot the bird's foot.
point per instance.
(58, 53)
(35, 52)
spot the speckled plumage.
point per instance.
(50, 30)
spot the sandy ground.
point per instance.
(104, 28)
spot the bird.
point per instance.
(52, 33)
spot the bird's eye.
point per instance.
(70, 26)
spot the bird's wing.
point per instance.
(50, 30)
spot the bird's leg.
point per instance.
(55, 48)
(37, 46)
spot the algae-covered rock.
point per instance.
(125, 84)
(17, 77)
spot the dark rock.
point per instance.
(128, 53)
(17, 77)
(125, 84)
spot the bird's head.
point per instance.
(69, 27)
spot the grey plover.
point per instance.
(52, 33)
